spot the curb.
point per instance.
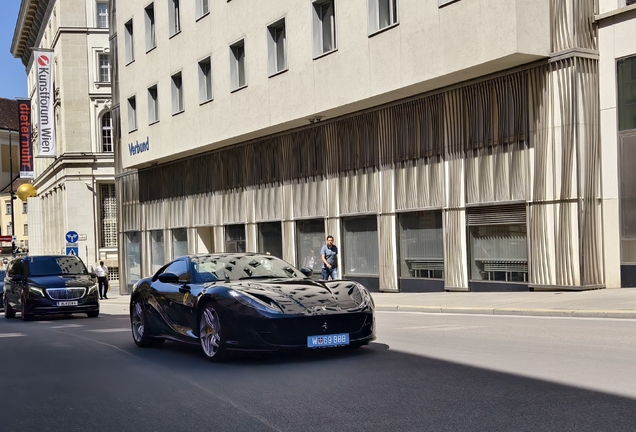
(575, 313)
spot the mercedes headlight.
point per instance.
(92, 289)
(37, 291)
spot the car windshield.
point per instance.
(56, 266)
(210, 268)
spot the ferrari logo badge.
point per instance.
(325, 327)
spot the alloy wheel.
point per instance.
(210, 332)
(137, 321)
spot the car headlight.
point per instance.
(254, 302)
(92, 289)
(363, 298)
(37, 291)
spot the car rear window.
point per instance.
(54, 266)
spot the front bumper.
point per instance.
(291, 332)
(47, 306)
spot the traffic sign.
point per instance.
(71, 237)
(72, 251)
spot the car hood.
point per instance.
(68, 281)
(305, 296)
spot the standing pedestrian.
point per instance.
(102, 279)
(329, 257)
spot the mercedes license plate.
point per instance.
(328, 340)
(67, 303)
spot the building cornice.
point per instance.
(614, 12)
(27, 29)
(77, 160)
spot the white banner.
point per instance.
(46, 118)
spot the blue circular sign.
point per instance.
(72, 237)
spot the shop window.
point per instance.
(421, 244)
(627, 93)
(235, 238)
(133, 259)
(360, 246)
(499, 253)
(310, 236)
(157, 254)
(179, 242)
(270, 239)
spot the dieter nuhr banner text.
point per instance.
(26, 147)
(46, 118)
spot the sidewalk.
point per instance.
(605, 303)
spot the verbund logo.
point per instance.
(43, 61)
(139, 147)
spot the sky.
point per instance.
(12, 72)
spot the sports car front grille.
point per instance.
(66, 293)
(294, 331)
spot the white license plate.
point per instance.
(332, 340)
(67, 303)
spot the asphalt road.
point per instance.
(425, 372)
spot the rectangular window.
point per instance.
(133, 258)
(310, 236)
(25, 208)
(132, 114)
(177, 93)
(235, 238)
(102, 14)
(360, 246)
(627, 93)
(205, 80)
(103, 60)
(157, 254)
(174, 17)
(151, 40)
(108, 205)
(128, 37)
(499, 253)
(179, 242)
(270, 238)
(153, 105)
(8, 207)
(421, 245)
(9, 229)
(277, 47)
(324, 27)
(237, 65)
(26, 229)
(382, 14)
(203, 7)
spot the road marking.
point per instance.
(113, 330)
(6, 335)
(67, 326)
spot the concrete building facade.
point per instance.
(447, 145)
(76, 190)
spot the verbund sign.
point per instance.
(26, 147)
(139, 147)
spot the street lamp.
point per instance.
(11, 192)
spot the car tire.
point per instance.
(210, 334)
(92, 314)
(139, 327)
(25, 316)
(9, 312)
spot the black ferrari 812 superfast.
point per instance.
(248, 302)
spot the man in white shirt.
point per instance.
(102, 279)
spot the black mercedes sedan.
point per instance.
(49, 284)
(248, 302)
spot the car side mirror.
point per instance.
(168, 278)
(307, 271)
